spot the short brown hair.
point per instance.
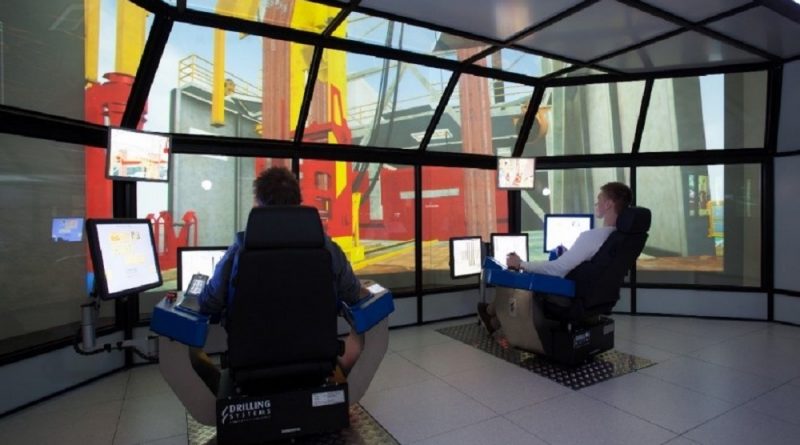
(619, 193)
(277, 186)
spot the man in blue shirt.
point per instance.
(275, 186)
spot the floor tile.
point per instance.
(578, 419)
(146, 381)
(746, 427)
(681, 440)
(670, 406)
(174, 440)
(448, 358)
(640, 350)
(395, 371)
(782, 403)
(505, 387)
(92, 424)
(714, 380)
(671, 341)
(423, 410)
(415, 338)
(145, 419)
(491, 432)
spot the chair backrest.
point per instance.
(598, 280)
(282, 320)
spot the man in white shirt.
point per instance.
(612, 199)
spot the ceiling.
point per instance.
(619, 37)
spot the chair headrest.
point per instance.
(274, 227)
(634, 220)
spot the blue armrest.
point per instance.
(496, 274)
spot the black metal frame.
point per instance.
(14, 120)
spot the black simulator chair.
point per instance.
(282, 333)
(572, 330)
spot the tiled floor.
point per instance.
(716, 382)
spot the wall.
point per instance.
(787, 214)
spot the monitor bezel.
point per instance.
(100, 282)
(179, 269)
(497, 170)
(128, 178)
(452, 259)
(527, 245)
(547, 216)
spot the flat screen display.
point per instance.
(563, 230)
(515, 173)
(67, 229)
(192, 260)
(137, 156)
(465, 256)
(123, 255)
(505, 243)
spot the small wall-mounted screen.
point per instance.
(515, 173)
(137, 156)
(67, 229)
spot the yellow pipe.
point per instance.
(91, 42)
(218, 83)
(130, 37)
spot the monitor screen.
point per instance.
(137, 156)
(123, 255)
(67, 229)
(505, 243)
(465, 256)
(563, 230)
(192, 260)
(515, 173)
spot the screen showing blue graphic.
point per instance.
(67, 229)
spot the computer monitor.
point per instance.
(124, 256)
(515, 173)
(465, 256)
(137, 156)
(505, 243)
(192, 260)
(67, 229)
(563, 230)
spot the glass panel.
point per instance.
(53, 62)
(380, 31)
(705, 113)
(455, 202)
(388, 103)
(523, 63)
(182, 100)
(706, 225)
(490, 110)
(365, 209)
(296, 14)
(208, 200)
(563, 191)
(43, 203)
(587, 119)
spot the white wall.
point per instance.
(789, 130)
(787, 309)
(787, 223)
(703, 303)
(34, 378)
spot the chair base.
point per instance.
(581, 341)
(251, 419)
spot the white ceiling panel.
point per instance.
(763, 28)
(694, 10)
(498, 19)
(602, 28)
(685, 50)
